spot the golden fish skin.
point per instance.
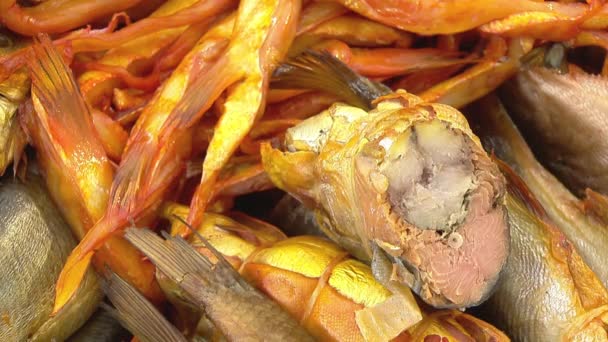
(586, 232)
(564, 118)
(34, 243)
(547, 292)
(409, 177)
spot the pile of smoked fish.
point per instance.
(299, 170)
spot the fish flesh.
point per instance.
(408, 177)
(564, 119)
(34, 243)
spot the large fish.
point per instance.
(587, 231)
(547, 292)
(564, 118)
(34, 243)
(408, 177)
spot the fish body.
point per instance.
(564, 118)
(75, 166)
(540, 296)
(547, 291)
(407, 176)
(587, 232)
(34, 243)
(332, 295)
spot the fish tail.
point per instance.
(54, 86)
(136, 313)
(176, 258)
(200, 95)
(235, 307)
(78, 262)
(322, 71)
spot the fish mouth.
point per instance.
(445, 199)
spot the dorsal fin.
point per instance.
(323, 71)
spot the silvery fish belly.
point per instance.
(406, 185)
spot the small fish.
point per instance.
(237, 309)
(406, 176)
(564, 118)
(35, 241)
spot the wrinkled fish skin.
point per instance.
(588, 233)
(564, 118)
(34, 244)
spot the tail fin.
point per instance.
(322, 71)
(55, 88)
(236, 308)
(176, 258)
(136, 314)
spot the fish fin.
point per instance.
(136, 313)
(79, 261)
(596, 205)
(323, 71)
(200, 95)
(55, 88)
(518, 188)
(176, 258)
(70, 279)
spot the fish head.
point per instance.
(411, 178)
